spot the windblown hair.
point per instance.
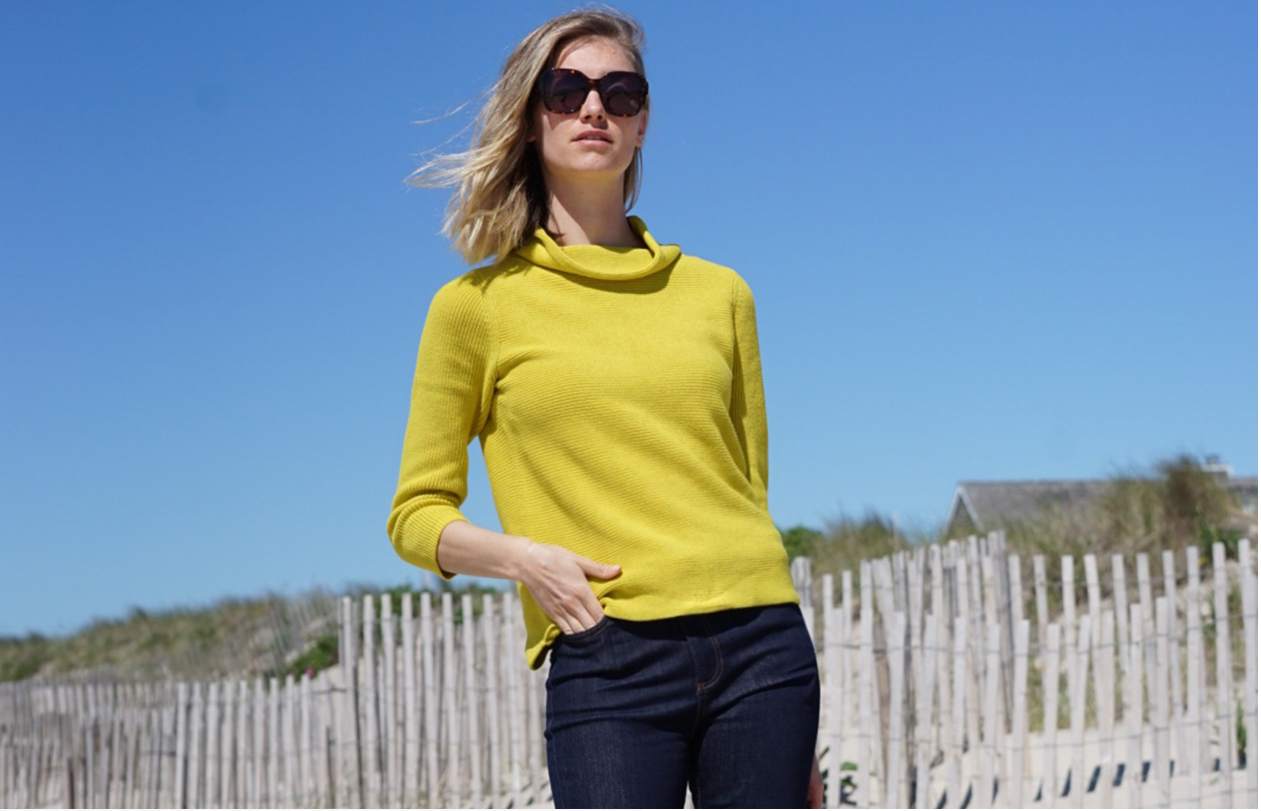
(500, 198)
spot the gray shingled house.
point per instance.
(980, 507)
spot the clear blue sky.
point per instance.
(988, 240)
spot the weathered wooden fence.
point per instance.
(949, 679)
(941, 689)
(437, 716)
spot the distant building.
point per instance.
(980, 507)
(1244, 490)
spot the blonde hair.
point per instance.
(500, 198)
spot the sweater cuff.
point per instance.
(417, 542)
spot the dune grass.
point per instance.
(1180, 505)
(234, 637)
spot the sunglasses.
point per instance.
(564, 90)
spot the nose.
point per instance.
(592, 106)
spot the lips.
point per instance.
(594, 135)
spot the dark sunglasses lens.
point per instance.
(564, 92)
(623, 93)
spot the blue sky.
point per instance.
(988, 240)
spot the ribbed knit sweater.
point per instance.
(617, 394)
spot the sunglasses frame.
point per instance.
(598, 85)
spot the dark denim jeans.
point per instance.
(726, 703)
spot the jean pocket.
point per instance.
(586, 635)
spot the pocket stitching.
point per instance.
(587, 633)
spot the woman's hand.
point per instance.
(814, 794)
(557, 579)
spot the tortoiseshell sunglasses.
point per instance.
(622, 92)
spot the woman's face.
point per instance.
(589, 145)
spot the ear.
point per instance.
(643, 127)
(531, 123)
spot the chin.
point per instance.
(602, 167)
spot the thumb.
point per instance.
(603, 571)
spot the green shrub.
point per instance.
(22, 658)
(846, 542)
(800, 541)
(320, 656)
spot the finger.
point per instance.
(601, 571)
(595, 611)
(569, 603)
(579, 619)
(582, 612)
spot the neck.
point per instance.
(586, 215)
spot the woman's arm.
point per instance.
(748, 401)
(451, 400)
(451, 397)
(556, 578)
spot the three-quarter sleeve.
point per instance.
(451, 400)
(748, 401)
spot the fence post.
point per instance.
(941, 613)
(895, 777)
(1225, 702)
(833, 692)
(1077, 710)
(433, 784)
(350, 750)
(1094, 601)
(924, 715)
(391, 791)
(1050, 715)
(1149, 622)
(306, 748)
(867, 772)
(1134, 708)
(227, 746)
(1197, 746)
(1160, 704)
(472, 729)
(370, 707)
(1177, 747)
(1105, 668)
(411, 710)
(181, 747)
(510, 662)
(451, 793)
(1248, 586)
(959, 693)
(1015, 796)
(1121, 605)
(196, 760)
(494, 724)
(260, 791)
(803, 580)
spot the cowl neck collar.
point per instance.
(599, 261)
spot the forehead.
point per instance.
(594, 56)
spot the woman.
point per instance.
(615, 385)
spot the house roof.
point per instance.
(992, 505)
(1243, 485)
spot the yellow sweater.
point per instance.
(617, 394)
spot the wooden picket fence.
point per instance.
(949, 680)
(934, 679)
(391, 726)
